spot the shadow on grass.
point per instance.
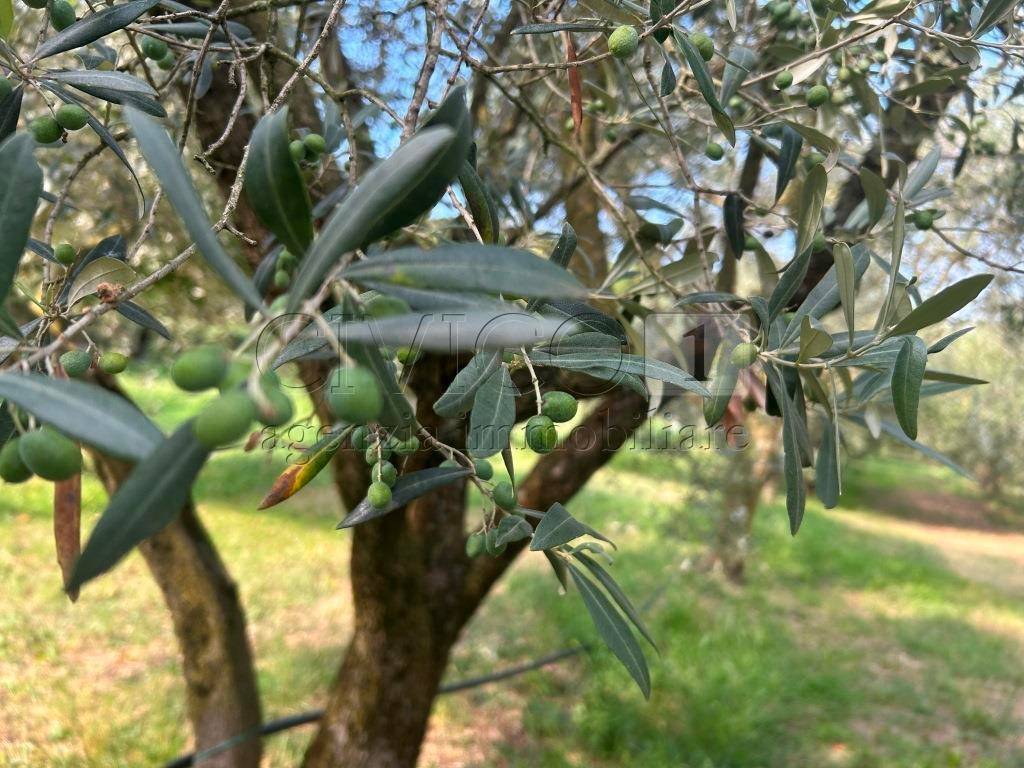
(780, 673)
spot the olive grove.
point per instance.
(462, 226)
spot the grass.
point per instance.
(870, 639)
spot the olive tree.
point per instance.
(461, 224)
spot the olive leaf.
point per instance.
(165, 160)
(468, 267)
(732, 216)
(613, 630)
(274, 185)
(493, 414)
(85, 412)
(789, 155)
(704, 83)
(407, 487)
(826, 469)
(458, 398)
(943, 304)
(23, 184)
(97, 272)
(92, 27)
(145, 503)
(907, 375)
(812, 196)
(393, 193)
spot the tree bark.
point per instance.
(751, 474)
(405, 572)
(220, 680)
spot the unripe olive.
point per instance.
(505, 495)
(784, 79)
(286, 260)
(816, 96)
(923, 220)
(476, 544)
(483, 469)
(45, 129)
(714, 150)
(12, 467)
(559, 406)
(819, 243)
(735, 102)
(379, 495)
(167, 62)
(377, 453)
(282, 279)
(355, 395)
(112, 363)
(154, 49)
(451, 464)
(384, 472)
(408, 446)
(72, 117)
(704, 45)
(280, 407)
(743, 354)
(37, 4)
(750, 243)
(298, 150)
(780, 10)
(224, 420)
(62, 15)
(407, 355)
(49, 454)
(623, 41)
(65, 254)
(541, 434)
(844, 75)
(383, 305)
(76, 363)
(200, 368)
(360, 438)
(814, 158)
(314, 143)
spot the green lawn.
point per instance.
(868, 640)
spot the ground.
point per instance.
(888, 632)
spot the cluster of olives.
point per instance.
(77, 362)
(378, 449)
(44, 452)
(62, 15)
(308, 149)
(284, 267)
(46, 129)
(556, 407)
(157, 51)
(486, 541)
(228, 417)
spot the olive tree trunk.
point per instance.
(221, 692)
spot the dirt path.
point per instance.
(995, 558)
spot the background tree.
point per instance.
(742, 168)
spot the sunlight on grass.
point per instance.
(852, 645)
